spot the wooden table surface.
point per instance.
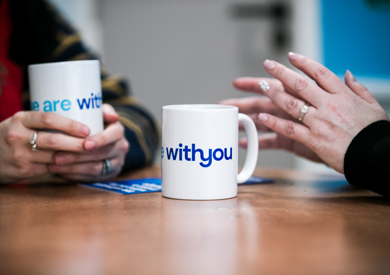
(300, 224)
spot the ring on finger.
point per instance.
(106, 167)
(303, 111)
(264, 85)
(33, 142)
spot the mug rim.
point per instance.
(199, 107)
(64, 63)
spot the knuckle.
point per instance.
(48, 119)
(291, 104)
(24, 172)
(289, 129)
(272, 122)
(96, 168)
(102, 154)
(52, 141)
(280, 71)
(101, 140)
(19, 116)
(301, 84)
(118, 133)
(12, 136)
(280, 87)
(79, 147)
(320, 73)
(126, 146)
(73, 125)
(18, 156)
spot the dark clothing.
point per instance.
(40, 35)
(367, 160)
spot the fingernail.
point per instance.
(263, 117)
(268, 64)
(89, 144)
(60, 158)
(351, 76)
(292, 56)
(85, 130)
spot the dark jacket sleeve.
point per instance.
(51, 39)
(367, 160)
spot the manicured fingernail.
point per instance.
(351, 76)
(85, 130)
(292, 56)
(263, 117)
(89, 144)
(268, 64)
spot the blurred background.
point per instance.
(189, 51)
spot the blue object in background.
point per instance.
(356, 36)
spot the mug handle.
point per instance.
(252, 149)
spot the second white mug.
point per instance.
(200, 151)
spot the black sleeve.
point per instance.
(367, 160)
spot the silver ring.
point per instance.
(33, 142)
(106, 167)
(264, 85)
(304, 110)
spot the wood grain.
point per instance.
(300, 224)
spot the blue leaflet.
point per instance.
(129, 186)
(254, 180)
(148, 185)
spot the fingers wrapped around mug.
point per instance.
(103, 159)
(92, 171)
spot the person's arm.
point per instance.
(341, 117)
(367, 160)
(140, 128)
(63, 43)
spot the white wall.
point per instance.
(307, 35)
(186, 51)
(84, 15)
(189, 51)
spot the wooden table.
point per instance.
(301, 224)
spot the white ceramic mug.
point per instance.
(71, 89)
(200, 151)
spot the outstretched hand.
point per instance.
(337, 111)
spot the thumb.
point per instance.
(109, 113)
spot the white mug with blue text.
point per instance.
(199, 153)
(71, 89)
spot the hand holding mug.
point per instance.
(19, 162)
(73, 89)
(88, 165)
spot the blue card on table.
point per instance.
(136, 186)
(255, 180)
